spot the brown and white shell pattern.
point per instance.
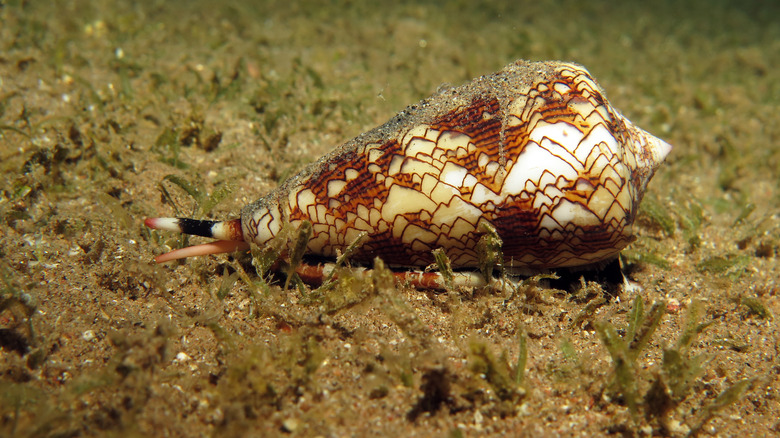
(535, 150)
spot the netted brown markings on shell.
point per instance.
(365, 195)
(368, 191)
(346, 208)
(535, 150)
(514, 217)
(529, 242)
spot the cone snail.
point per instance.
(535, 151)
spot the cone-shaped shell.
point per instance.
(535, 150)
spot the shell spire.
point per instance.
(535, 151)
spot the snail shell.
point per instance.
(534, 150)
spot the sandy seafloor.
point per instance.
(100, 101)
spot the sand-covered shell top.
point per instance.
(535, 150)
